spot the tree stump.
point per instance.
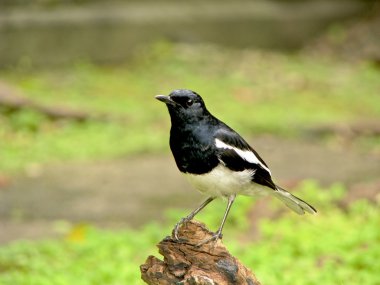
(185, 263)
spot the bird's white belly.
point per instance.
(222, 181)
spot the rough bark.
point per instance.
(185, 263)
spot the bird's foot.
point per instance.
(178, 225)
(214, 238)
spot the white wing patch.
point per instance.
(244, 154)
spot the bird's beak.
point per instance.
(165, 99)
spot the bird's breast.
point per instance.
(193, 153)
(193, 161)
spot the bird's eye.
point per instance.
(189, 103)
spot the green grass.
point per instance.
(254, 92)
(334, 247)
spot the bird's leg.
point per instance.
(218, 234)
(191, 216)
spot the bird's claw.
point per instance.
(214, 238)
(177, 226)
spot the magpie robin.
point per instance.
(217, 160)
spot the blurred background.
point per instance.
(87, 179)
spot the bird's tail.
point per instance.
(296, 204)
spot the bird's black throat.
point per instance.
(192, 146)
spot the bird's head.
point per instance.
(184, 105)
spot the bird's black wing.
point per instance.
(236, 154)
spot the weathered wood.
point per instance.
(185, 263)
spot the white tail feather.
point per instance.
(296, 204)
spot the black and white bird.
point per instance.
(217, 160)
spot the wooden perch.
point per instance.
(187, 264)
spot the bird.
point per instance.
(216, 160)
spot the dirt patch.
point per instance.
(138, 189)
